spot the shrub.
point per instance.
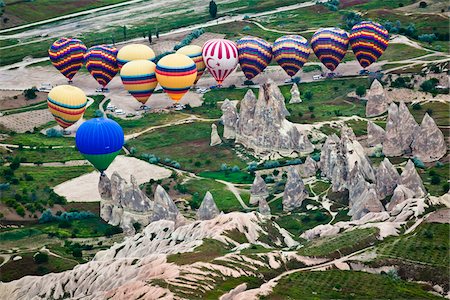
(311, 108)
(40, 258)
(427, 38)
(52, 132)
(416, 106)
(98, 113)
(30, 93)
(246, 28)
(235, 169)
(77, 252)
(308, 95)
(360, 91)
(423, 4)
(20, 211)
(435, 180)
(418, 163)
(446, 187)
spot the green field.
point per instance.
(147, 120)
(235, 177)
(335, 284)
(428, 244)
(42, 155)
(341, 244)
(39, 139)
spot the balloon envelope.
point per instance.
(67, 104)
(176, 73)
(195, 53)
(139, 79)
(99, 140)
(255, 55)
(101, 62)
(67, 55)
(368, 41)
(220, 57)
(291, 52)
(330, 46)
(134, 52)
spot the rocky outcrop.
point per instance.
(164, 207)
(401, 193)
(356, 186)
(123, 204)
(258, 191)
(333, 163)
(263, 207)
(368, 202)
(262, 124)
(392, 139)
(375, 134)
(215, 138)
(309, 168)
(295, 95)
(208, 209)
(429, 143)
(377, 102)
(229, 119)
(387, 179)
(354, 153)
(294, 191)
(408, 127)
(411, 179)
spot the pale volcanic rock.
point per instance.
(333, 163)
(392, 139)
(401, 193)
(295, 95)
(258, 191)
(408, 127)
(411, 179)
(387, 178)
(368, 202)
(309, 168)
(429, 143)
(164, 208)
(377, 102)
(356, 186)
(263, 207)
(375, 134)
(215, 138)
(208, 209)
(294, 191)
(347, 132)
(262, 124)
(354, 153)
(229, 119)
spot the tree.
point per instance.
(428, 38)
(20, 211)
(149, 36)
(98, 113)
(30, 93)
(423, 4)
(40, 258)
(360, 91)
(76, 252)
(213, 9)
(308, 95)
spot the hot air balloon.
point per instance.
(330, 46)
(220, 57)
(176, 73)
(195, 53)
(139, 79)
(101, 62)
(67, 55)
(99, 140)
(291, 52)
(255, 55)
(67, 104)
(134, 52)
(368, 41)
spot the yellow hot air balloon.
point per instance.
(67, 104)
(134, 52)
(139, 79)
(176, 73)
(195, 53)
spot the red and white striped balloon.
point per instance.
(220, 57)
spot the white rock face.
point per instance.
(387, 179)
(411, 179)
(429, 143)
(258, 191)
(262, 124)
(392, 139)
(164, 207)
(208, 209)
(263, 207)
(125, 270)
(229, 118)
(215, 138)
(408, 127)
(123, 204)
(295, 95)
(401, 194)
(375, 134)
(294, 191)
(377, 102)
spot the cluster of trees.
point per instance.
(189, 38)
(47, 216)
(30, 94)
(332, 5)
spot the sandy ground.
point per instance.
(26, 121)
(124, 165)
(8, 102)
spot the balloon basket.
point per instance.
(70, 81)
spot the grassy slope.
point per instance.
(335, 284)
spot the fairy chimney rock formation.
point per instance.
(387, 179)
(295, 95)
(377, 102)
(263, 207)
(429, 143)
(208, 209)
(229, 119)
(411, 179)
(258, 190)
(309, 168)
(164, 207)
(375, 134)
(215, 138)
(294, 191)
